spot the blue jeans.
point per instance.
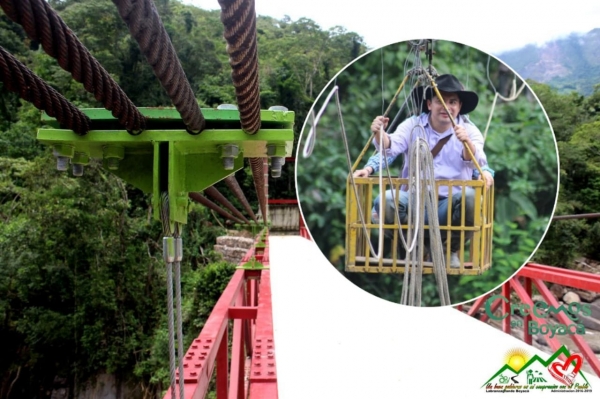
(403, 203)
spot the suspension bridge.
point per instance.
(287, 324)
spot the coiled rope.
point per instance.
(21, 80)
(42, 24)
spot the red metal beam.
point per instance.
(478, 302)
(571, 278)
(520, 290)
(263, 369)
(283, 202)
(583, 346)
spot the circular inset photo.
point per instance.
(427, 172)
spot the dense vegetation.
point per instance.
(576, 122)
(82, 283)
(520, 147)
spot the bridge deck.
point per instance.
(334, 340)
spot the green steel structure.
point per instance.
(165, 157)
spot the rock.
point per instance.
(587, 296)
(558, 291)
(589, 322)
(595, 309)
(571, 297)
(537, 298)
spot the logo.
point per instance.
(521, 373)
(542, 310)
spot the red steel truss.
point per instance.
(237, 339)
(538, 275)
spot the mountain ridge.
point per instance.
(567, 64)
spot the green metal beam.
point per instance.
(166, 157)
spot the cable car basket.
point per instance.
(475, 251)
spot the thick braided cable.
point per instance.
(220, 198)
(258, 175)
(234, 186)
(199, 198)
(42, 24)
(21, 80)
(239, 20)
(146, 27)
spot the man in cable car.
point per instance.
(451, 160)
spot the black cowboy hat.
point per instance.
(447, 83)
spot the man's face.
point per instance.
(439, 116)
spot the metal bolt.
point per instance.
(229, 152)
(62, 163)
(112, 163)
(276, 165)
(77, 169)
(278, 108)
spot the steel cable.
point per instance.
(234, 186)
(21, 80)
(220, 198)
(42, 24)
(239, 19)
(199, 198)
(258, 175)
(146, 27)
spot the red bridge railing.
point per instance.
(237, 339)
(521, 284)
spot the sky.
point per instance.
(490, 26)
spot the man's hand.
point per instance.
(366, 172)
(461, 133)
(489, 179)
(463, 136)
(376, 126)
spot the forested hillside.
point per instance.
(82, 284)
(568, 64)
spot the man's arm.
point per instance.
(372, 166)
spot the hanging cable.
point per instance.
(21, 80)
(146, 27)
(42, 24)
(514, 94)
(177, 271)
(235, 188)
(260, 182)
(169, 254)
(199, 198)
(220, 198)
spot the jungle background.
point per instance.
(82, 280)
(520, 147)
(82, 284)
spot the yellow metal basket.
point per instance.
(474, 259)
